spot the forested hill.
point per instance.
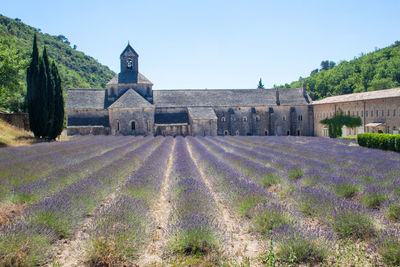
(76, 68)
(373, 71)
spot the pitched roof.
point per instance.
(202, 113)
(131, 99)
(140, 79)
(129, 48)
(82, 98)
(227, 97)
(395, 92)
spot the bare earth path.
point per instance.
(241, 244)
(152, 256)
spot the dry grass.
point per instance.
(13, 136)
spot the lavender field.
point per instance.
(211, 201)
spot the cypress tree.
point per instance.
(42, 104)
(58, 123)
(32, 80)
(49, 100)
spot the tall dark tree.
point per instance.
(260, 84)
(58, 123)
(32, 96)
(50, 100)
(41, 101)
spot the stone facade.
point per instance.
(129, 106)
(378, 110)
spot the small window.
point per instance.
(300, 118)
(366, 113)
(223, 119)
(244, 119)
(257, 118)
(362, 113)
(226, 132)
(237, 132)
(288, 132)
(266, 132)
(394, 112)
(388, 113)
(284, 117)
(372, 113)
(298, 133)
(117, 125)
(383, 113)
(133, 125)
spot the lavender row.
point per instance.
(39, 167)
(33, 192)
(251, 200)
(58, 216)
(193, 225)
(123, 226)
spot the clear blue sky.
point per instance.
(216, 43)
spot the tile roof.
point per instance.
(88, 120)
(227, 97)
(202, 113)
(388, 93)
(131, 99)
(140, 79)
(82, 98)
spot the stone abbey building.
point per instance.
(129, 106)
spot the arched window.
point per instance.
(298, 133)
(133, 125)
(284, 117)
(237, 132)
(244, 118)
(226, 132)
(257, 118)
(129, 63)
(223, 119)
(118, 125)
(300, 118)
(288, 132)
(265, 132)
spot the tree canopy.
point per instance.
(373, 71)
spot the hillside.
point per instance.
(76, 68)
(373, 71)
(13, 136)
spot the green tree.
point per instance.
(260, 84)
(50, 87)
(32, 94)
(58, 123)
(11, 74)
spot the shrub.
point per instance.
(194, 241)
(373, 200)
(381, 141)
(346, 190)
(353, 224)
(104, 252)
(246, 204)
(269, 180)
(296, 249)
(267, 220)
(390, 251)
(393, 211)
(295, 173)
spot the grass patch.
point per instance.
(246, 204)
(104, 252)
(355, 225)
(196, 241)
(61, 227)
(269, 180)
(393, 212)
(267, 220)
(373, 200)
(295, 173)
(298, 250)
(390, 251)
(346, 190)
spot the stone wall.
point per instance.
(132, 121)
(20, 120)
(203, 127)
(88, 130)
(385, 111)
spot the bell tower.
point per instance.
(129, 65)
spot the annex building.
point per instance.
(129, 106)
